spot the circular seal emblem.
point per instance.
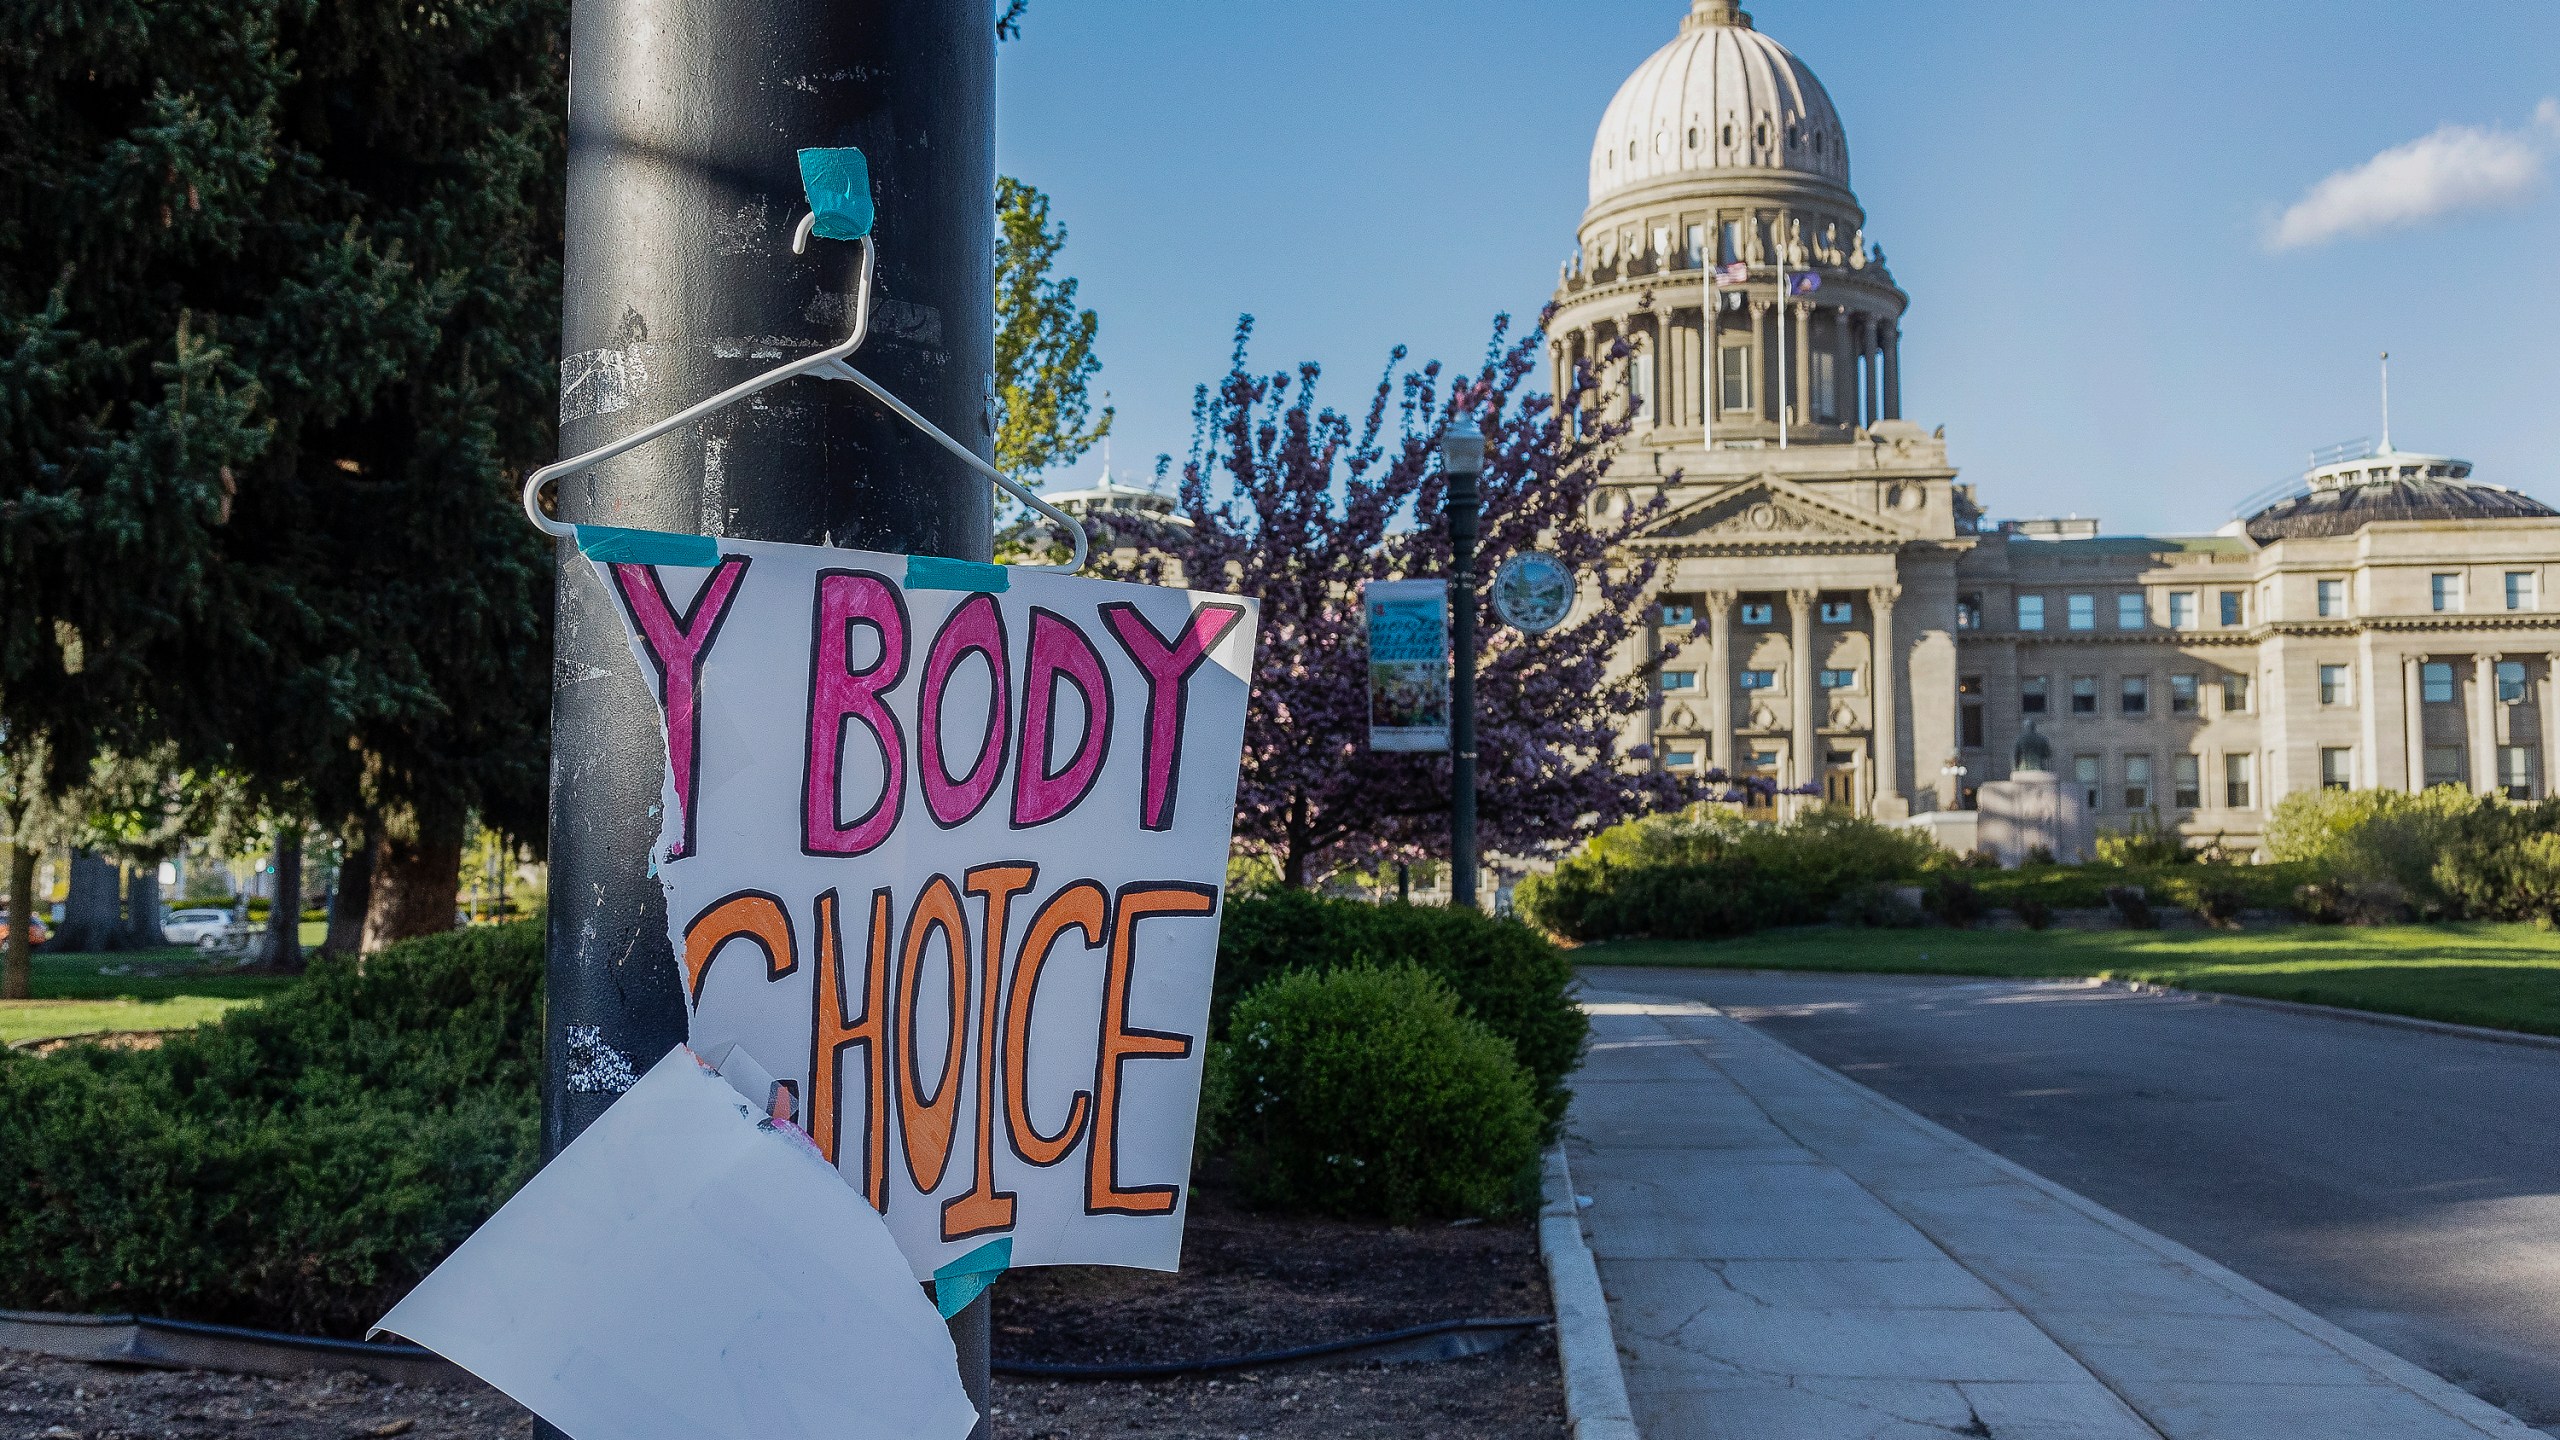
(1533, 591)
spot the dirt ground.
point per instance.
(1249, 1283)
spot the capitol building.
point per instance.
(1837, 610)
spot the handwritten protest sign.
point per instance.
(944, 850)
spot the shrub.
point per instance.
(2032, 912)
(1877, 906)
(2219, 902)
(297, 1165)
(2132, 907)
(2142, 844)
(1953, 899)
(1504, 973)
(1703, 874)
(2377, 843)
(1365, 1092)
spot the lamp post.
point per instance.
(1461, 461)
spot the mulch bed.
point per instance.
(1249, 1283)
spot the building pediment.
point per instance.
(1762, 512)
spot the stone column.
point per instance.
(1764, 345)
(2413, 722)
(2550, 698)
(1884, 688)
(1867, 414)
(1720, 681)
(2484, 722)
(1801, 346)
(1807, 766)
(1892, 371)
(1844, 370)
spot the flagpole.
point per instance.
(1706, 340)
(1780, 246)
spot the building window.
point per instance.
(1697, 233)
(2510, 682)
(1759, 614)
(1969, 724)
(2444, 592)
(2333, 686)
(1764, 759)
(1640, 388)
(2337, 768)
(2084, 694)
(1679, 679)
(2182, 609)
(2444, 765)
(1679, 614)
(1680, 759)
(2333, 598)
(2130, 612)
(2519, 589)
(2234, 602)
(2084, 612)
(2030, 612)
(2435, 682)
(1729, 245)
(2084, 769)
(2187, 775)
(2235, 694)
(1839, 679)
(1838, 612)
(2031, 695)
(1733, 374)
(1968, 612)
(1759, 679)
(2134, 698)
(2237, 770)
(2515, 771)
(2182, 694)
(1826, 390)
(2137, 782)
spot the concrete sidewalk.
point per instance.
(1788, 1254)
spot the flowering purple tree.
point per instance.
(1315, 505)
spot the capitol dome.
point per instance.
(1721, 96)
(2348, 495)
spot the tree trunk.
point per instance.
(283, 951)
(354, 890)
(17, 973)
(89, 918)
(416, 875)
(142, 907)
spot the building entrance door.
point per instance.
(1840, 778)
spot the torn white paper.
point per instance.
(683, 1270)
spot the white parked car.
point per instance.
(195, 927)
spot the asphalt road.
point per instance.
(2404, 1185)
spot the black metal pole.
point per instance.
(684, 120)
(1463, 457)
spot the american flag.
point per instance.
(1732, 273)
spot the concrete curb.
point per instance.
(2426, 1385)
(2340, 1012)
(1595, 1389)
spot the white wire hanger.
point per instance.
(827, 364)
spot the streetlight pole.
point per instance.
(678, 281)
(1461, 462)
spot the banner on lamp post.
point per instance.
(944, 849)
(1408, 624)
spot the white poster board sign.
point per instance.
(1408, 626)
(944, 851)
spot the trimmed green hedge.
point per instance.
(298, 1164)
(2084, 887)
(1368, 1092)
(1502, 972)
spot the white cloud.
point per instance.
(2458, 167)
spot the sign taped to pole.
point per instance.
(1408, 663)
(944, 850)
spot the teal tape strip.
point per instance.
(967, 1278)
(609, 546)
(838, 184)
(932, 572)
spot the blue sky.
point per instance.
(2133, 296)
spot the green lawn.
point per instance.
(2507, 976)
(129, 990)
